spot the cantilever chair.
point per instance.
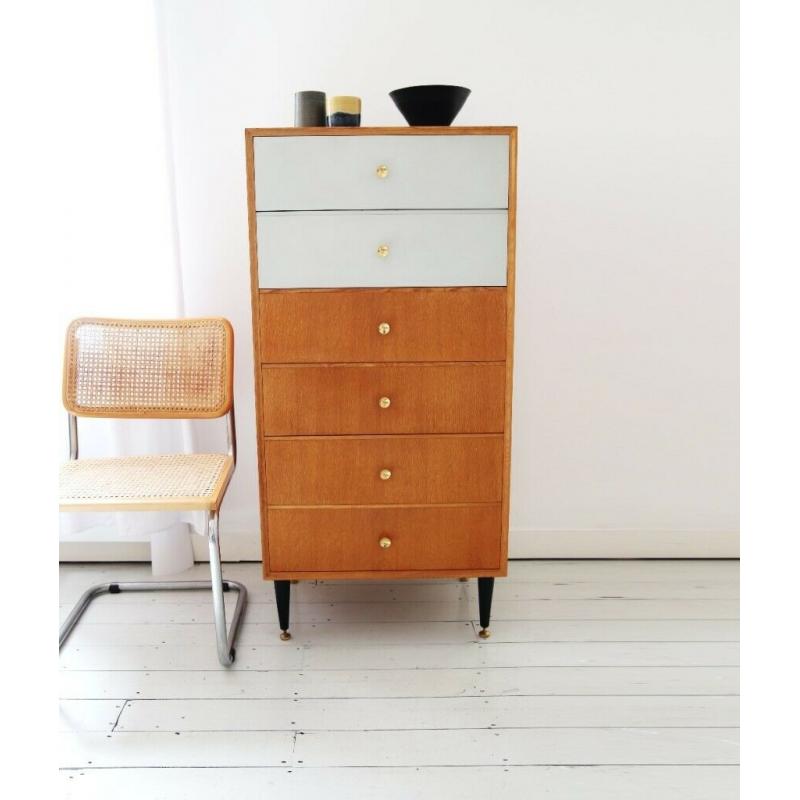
(154, 369)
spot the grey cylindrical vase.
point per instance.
(309, 109)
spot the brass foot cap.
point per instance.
(484, 633)
(285, 636)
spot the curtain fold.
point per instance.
(130, 265)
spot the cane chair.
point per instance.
(153, 369)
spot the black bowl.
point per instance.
(430, 105)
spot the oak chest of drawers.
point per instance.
(382, 267)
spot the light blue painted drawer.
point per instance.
(333, 249)
(381, 172)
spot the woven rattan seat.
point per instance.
(140, 483)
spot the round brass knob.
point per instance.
(382, 171)
(384, 328)
(386, 474)
(384, 402)
(385, 542)
(383, 250)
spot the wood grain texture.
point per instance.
(342, 325)
(344, 399)
(510, 295)
(252, 232)
(347, 470)
(345, 539)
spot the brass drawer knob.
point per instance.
(382, 171)
(386, 474)
(384, 402)
(383, 250)
(385, 542)
(384, 328)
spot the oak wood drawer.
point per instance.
(346, 399)
(346, 248)
(321, 172)
(384, 469)
(423, 325)
(346, 539)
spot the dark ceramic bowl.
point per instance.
(430, 105)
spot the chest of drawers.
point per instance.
(382, 269)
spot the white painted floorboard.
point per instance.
(602, 679)
(538, 711)
(104, 609)
(165, 656)
(412, 783)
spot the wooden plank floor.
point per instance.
(602, 679)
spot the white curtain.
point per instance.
(130, 265)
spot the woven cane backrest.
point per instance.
(149, 368)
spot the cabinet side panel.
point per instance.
(510, 282)
(255, 311)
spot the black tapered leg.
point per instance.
(485, 589)
(282, 592)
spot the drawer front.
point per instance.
(423, 325)
(348, 539)
(343, 399)
(374, 470)
(319, 249)
(323, 172)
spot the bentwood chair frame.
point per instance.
(153, 369)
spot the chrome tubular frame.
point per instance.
(230, 420)
(72, 420)
(226, 638)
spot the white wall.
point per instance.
(625, 417)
